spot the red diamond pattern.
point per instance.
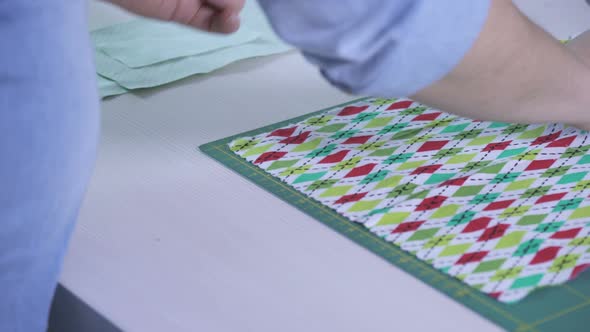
(546, 138)
(545, 255)
(427, 116)
(361, 170)
(269, 156)
(499, 205)
(284, 132)
(566, 234)
(477, 225)
(335, 157)
(494, 232)
(579, 269)
(432, 146)
(495, 295)
(352, 110)
(430, 203)
(562, 142)
(550, 198)
(540, 164)
(357, 140)
(497, 146)
(472, 257)
(350, 198)
(455, 182)
(407, 227)
(429, 169)
(296, 139)
(400, 105)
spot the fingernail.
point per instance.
(227, 25)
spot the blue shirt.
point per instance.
(386, 48)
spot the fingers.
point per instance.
(220, 16)
(211, 19)
(223, 24)
(183, 10)
(227, 18)
(233, 6)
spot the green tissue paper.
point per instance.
(145, 53)
(107, 87)
(145, 42)
(175, 69)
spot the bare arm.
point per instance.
(515, 72)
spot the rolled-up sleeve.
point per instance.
(386, 48)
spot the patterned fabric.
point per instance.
(500, 206)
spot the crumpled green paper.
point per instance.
(107, 87)
(146, 53)
(145, 42)
(175, 69)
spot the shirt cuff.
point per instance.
(437, 35)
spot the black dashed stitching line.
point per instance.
(383, 166)
(450, 229)
(330, 142)
(302, 130)
(358, 152)
(407, 147)
(484, 243)
(439, 194)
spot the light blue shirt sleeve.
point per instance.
(386, 48)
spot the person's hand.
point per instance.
(581, 47)
(209, 15)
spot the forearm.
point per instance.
(380, 47)
(515, 72)
(480, 59)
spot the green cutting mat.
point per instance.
(561, 308)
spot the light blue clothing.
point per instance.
(49, 118)
(48, 134)
(385, 48)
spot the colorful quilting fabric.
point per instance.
(502, 207)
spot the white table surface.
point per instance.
(157, 249)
